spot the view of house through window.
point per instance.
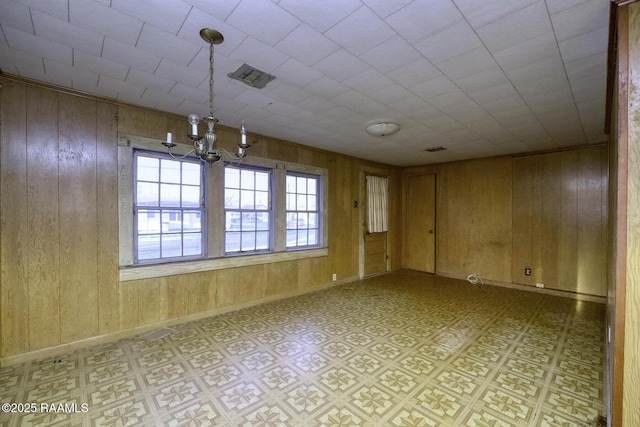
(247, 206)
(169, 208)
(303, 210)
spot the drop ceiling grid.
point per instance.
(459, 66)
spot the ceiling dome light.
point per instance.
(382, 128)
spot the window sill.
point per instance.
(170, 269)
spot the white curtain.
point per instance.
(377, 203)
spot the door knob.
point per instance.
(430, 231)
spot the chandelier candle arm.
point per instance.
(204, 147)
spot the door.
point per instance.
(419, 224)
(375, 242)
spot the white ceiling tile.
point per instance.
(494, 93)
(391, 94)
(433, 87)
(152, 97)
(296, 73)
(482, 81)
(167, 45)
(188, 75)
(307, 45)
(422, 18)
(53, 29)
(368, 81)
(516, 28)
(316, 104)
(527, 52)
(187, 92)
(556, 6)
(288, 93)
(169, 15)
(151, 81)
(449, 43)
(259, 55)
(254, 97)
(104, 20)
(550, 68)
(360, 31)
(468, 63)
(123, 53)
(15, 61)
(99, 65)
(580, 19)
(16, 16)
(326, 87)
(414, 73)
(585, 45)
(39, 46)
(321, 15)
(197, 20)
(57, 8)
(481, 13)
(384, 8)
(407, 104)
(257, 18)
(341, 65)
(120, 89)
(80, 79)
(390, 55)
(447, 101)
(220, 9)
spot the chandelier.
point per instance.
(204, 147)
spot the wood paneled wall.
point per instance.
(59, 227)
(494, 217)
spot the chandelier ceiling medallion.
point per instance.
(204, 147)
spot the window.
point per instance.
(169, 208)
(303, 210)
(247, 209)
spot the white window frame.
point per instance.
(306, 211)
(216, 258)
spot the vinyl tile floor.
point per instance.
(403, 349)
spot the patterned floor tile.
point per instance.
(403, 349)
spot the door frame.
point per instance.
(364, 171)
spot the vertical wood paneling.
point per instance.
(78, 218)
(631, 409)
(522, 227)
(567, 261)
(44, 220)
(107, 211)
(14, 221)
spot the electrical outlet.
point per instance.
(335, 277)
(539, 285)
(527, 271)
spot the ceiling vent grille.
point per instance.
(435, 149)
(251, 76)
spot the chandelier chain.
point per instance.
(211, 79)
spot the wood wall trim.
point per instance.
(617, 382)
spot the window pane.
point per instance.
(170, 171)
(171, 221)
(147, 194)
(292, 220)
(247, 179)
(301, 185)
(231, 178)
(148, 222)
(190, 196)
(231, 199)
(303, 220)
(247, 199)
(313, 220)
(262, 240)
(232, 242)
(262, 221)
(291, 202)
(312, 186)
(312, 203)
(248, 241)
(148, 169)
(148, 246)
(302, 238)
(248, 221)
(262, 181)
(302, 202)
(191, 173)
(313, 237)
(262, 200)
(192, 221)
(169, 195)
(232, 221)
(171, 245)
(292, 238)
(291, 184)
(192, 244)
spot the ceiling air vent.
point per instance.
(434, 149)
(251, 76)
